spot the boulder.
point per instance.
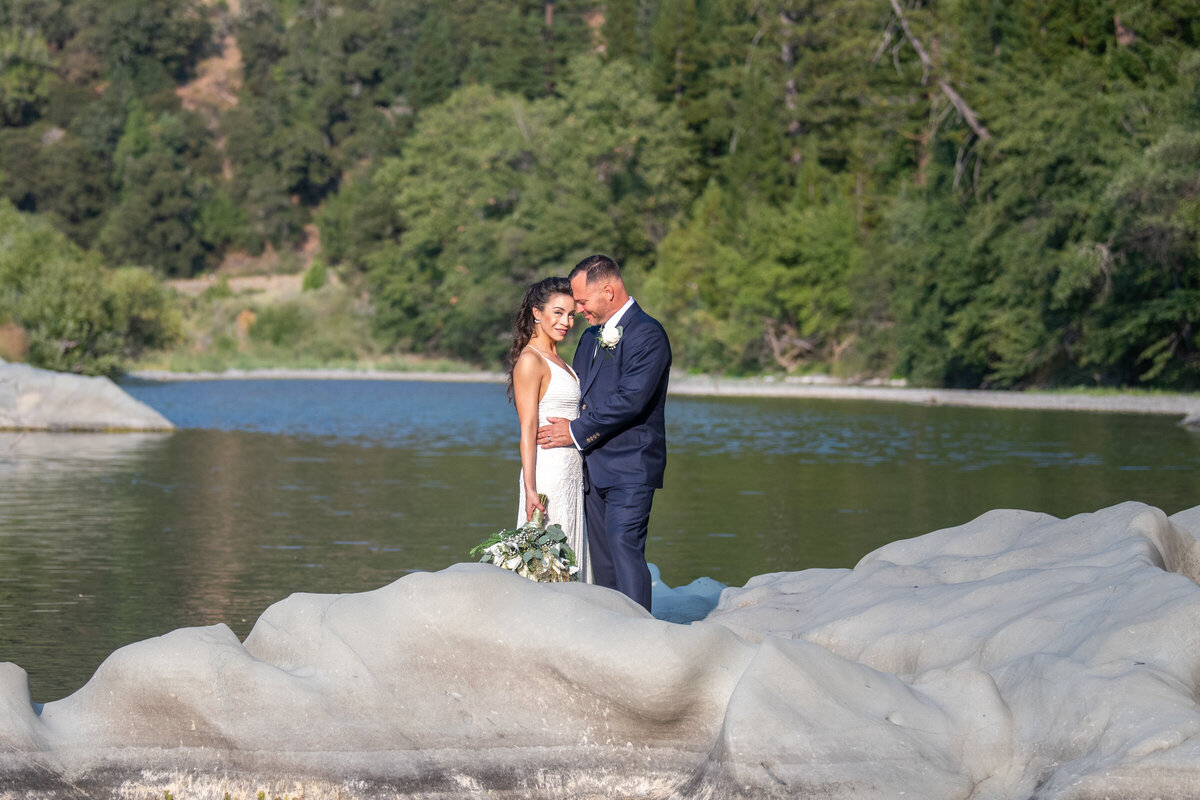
(1016, 656)
(41, 400)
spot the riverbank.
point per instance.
(1186, 406)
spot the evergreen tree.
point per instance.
(151, 43)
(621, 37)
(675, 64)
(26, 68)
(433, 70)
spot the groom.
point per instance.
(622, 362)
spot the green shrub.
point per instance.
(79, 316)
(315, 276)
(140, 308)
(281, 324)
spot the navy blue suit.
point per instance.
(621, 430)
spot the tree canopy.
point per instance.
(992, 194)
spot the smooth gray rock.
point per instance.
(1016, 656)
(41, 400)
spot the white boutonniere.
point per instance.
(609, 337)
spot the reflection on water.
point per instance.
(422, 415)
(29, 450)
(273, 487)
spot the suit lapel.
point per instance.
(591, 363)
(595, 365)
(582, 362)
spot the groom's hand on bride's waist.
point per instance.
(557, 433)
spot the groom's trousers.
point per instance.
(617, 520)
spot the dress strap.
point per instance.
(568, 369)
(539, 352)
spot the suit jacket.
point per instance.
(621, 426)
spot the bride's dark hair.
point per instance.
(536, 296)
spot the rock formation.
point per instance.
(1016, 656)
(40, 400)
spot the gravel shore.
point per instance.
(1187, 406)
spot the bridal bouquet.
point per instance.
(533, 550)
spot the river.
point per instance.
(277, 486)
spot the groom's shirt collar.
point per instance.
(615, 319)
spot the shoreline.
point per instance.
(1185, 405)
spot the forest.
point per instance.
(990, 194)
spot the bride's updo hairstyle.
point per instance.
(536, 297)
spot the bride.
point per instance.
(541, 385)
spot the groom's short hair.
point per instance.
(596, 268)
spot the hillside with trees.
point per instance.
(977, 195)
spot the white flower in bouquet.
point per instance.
(534, 550)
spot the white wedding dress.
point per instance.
(560, 469)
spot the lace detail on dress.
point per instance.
(559, 470)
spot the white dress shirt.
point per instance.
(615, 319)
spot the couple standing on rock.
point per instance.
(593, 436)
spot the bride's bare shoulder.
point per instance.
(529, 366)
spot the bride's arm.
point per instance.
(529, 373)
